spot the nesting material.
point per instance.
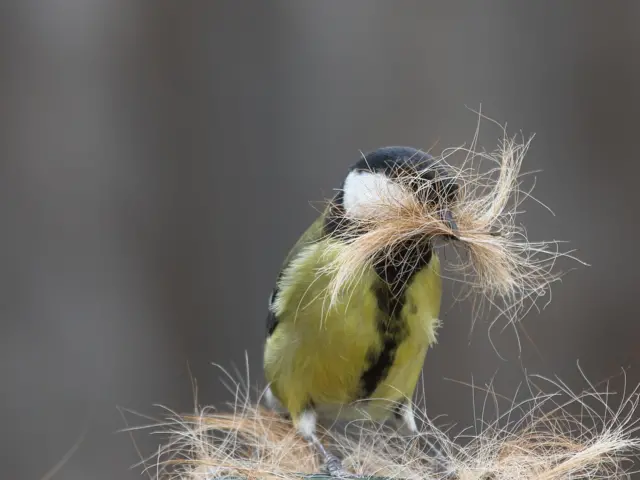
(545, 441)
(496, 260)
(539, 439)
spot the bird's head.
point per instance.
(394, 173)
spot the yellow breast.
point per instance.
(317, 355)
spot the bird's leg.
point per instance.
(307, 427)
(405, 419)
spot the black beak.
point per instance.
(447, 217)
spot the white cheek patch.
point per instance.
(363, 191)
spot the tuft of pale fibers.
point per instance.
(540, 438)
(496, 261)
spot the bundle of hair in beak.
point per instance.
(501, 264)
(549, 436)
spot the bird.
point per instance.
(370, 347)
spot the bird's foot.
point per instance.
(333, 465)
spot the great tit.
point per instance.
(367, 351)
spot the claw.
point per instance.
(334, 467)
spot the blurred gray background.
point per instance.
(158, 160)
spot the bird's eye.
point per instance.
(450, 189)
(439, 189)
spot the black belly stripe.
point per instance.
(392, 332)
(390, 293)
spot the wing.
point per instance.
(314, 233)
